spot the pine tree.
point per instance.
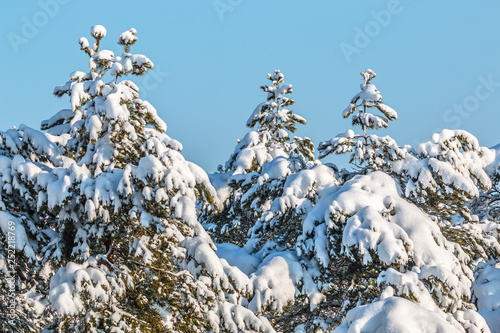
(135, 257)
(368, 152)
(290, 198)
(440, 176)
(369, 243)
(251, 185)
(29, 242)
(278, 165)
(275, 234)
(275, 123)
(444, 174)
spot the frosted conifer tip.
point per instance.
(98, 31)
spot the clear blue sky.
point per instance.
(433, 59)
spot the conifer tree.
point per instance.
(444, 174)
(135, 256)
(368, 151)
(274, 123)
(28, 242)
(440, 176)
(371, 244)
(252, 186)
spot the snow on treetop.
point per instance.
(368, 75)
(369, 97)
(128, 37)
(447, 140)
(367, 151)
(276, 77)
(84, 43)
(370, 93)
(98, 31)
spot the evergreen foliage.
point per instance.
(255, 173)
(105, 227)
(368, 152)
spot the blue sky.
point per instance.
(437, 63)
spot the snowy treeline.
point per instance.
(107, 228)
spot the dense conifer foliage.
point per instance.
(106, 227)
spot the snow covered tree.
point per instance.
(249, 187)
(281, 223)
(370, 243)
(263, 174)
(276, 232)
(28, 242)
(272, 137)
(100, 221)
(368, 152)
(106, 126)
(441, 176)
(135, 257)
